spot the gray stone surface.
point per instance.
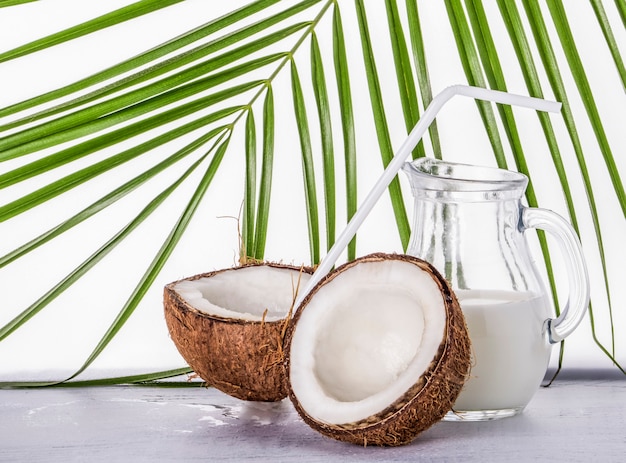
(576, 419)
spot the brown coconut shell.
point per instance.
(429, 399)
(242, 358)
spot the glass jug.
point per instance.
(469, 222)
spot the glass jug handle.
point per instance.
(569, 244)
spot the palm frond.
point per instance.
(159, 52)
(285, 93)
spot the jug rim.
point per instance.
(463, 177)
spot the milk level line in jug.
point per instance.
(400, 157)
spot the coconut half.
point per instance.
(378, 351)
(229, 326)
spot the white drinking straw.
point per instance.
(400, 157)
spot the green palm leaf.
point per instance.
(474, 74)
(262, 213)
(344, 94)
(621, 8)
(126, 13)
(308, 167)
(580, 76)
(598, 8)
(250, 190)
(382, 129)
(420, 63)
(326, 133)
(6, 3)
(406, 83)
(142, 379)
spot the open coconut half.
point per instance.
(378, 351)
(229, 326)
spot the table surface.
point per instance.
(581, 418)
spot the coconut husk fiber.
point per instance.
(242, 358)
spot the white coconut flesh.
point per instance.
(364, 339)
(254, 293)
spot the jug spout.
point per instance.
(466, 223)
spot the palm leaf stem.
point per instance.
(300, 111)
(185, 83)
(255, 228)
(155, 95)
(289, 55)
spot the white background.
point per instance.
(62, 335)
